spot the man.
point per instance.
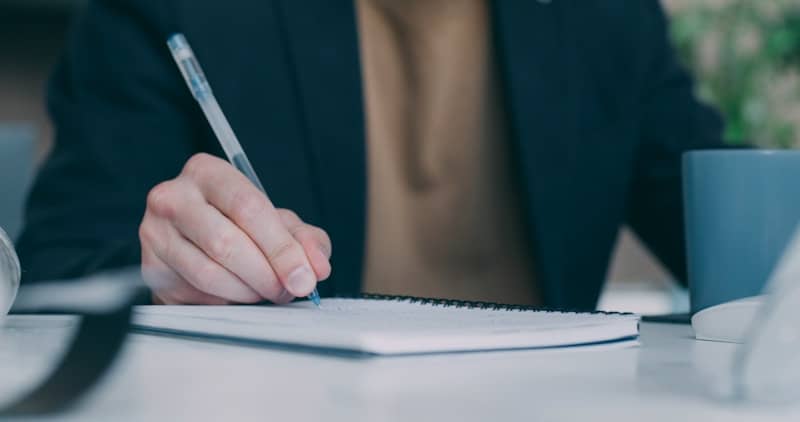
(458, 148)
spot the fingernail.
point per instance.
(322, 273)
(325, 250)
(301, 281)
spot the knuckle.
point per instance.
(289, 215)
(299, 231)
(325, 271)
(312, 234)
(160, 199)
(326, 240)
(322, 234)
(248, 205)
(222, 247)
(145, 236)
(281, 252)
(197, 163)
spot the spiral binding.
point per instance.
(471, 304)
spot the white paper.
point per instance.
(390, 326)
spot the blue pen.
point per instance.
(201, 90)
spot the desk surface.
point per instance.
(161, 378)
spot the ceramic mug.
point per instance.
(741, 208)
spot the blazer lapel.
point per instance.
(529, 38)
(323, 48)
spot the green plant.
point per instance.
(745, 55)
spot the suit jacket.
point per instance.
(600, 112)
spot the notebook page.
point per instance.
(388, 325)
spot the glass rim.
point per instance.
(9, 267)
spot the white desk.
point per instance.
(161, 378)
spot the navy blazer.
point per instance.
(599, 110)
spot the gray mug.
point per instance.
(741, 208)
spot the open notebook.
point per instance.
(391, 325)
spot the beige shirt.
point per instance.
(444, 214)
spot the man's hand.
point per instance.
(210, 237)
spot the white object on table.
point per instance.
(767, 368)
(729, 321)
(10, 273)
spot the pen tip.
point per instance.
(314, 297)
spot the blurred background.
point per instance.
(745, 55)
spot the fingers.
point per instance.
(169, 288)
(239, 200)
(227, 244)
(211, 236)
(314, 241)
(191, 264)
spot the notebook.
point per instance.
(391, 325)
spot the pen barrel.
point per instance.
(189, 67)
(242, 164)
(195, 78)
(219, 124)
(227, 139)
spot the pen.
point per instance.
(201, 90)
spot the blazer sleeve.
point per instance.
(123, 122)
(672, 121)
